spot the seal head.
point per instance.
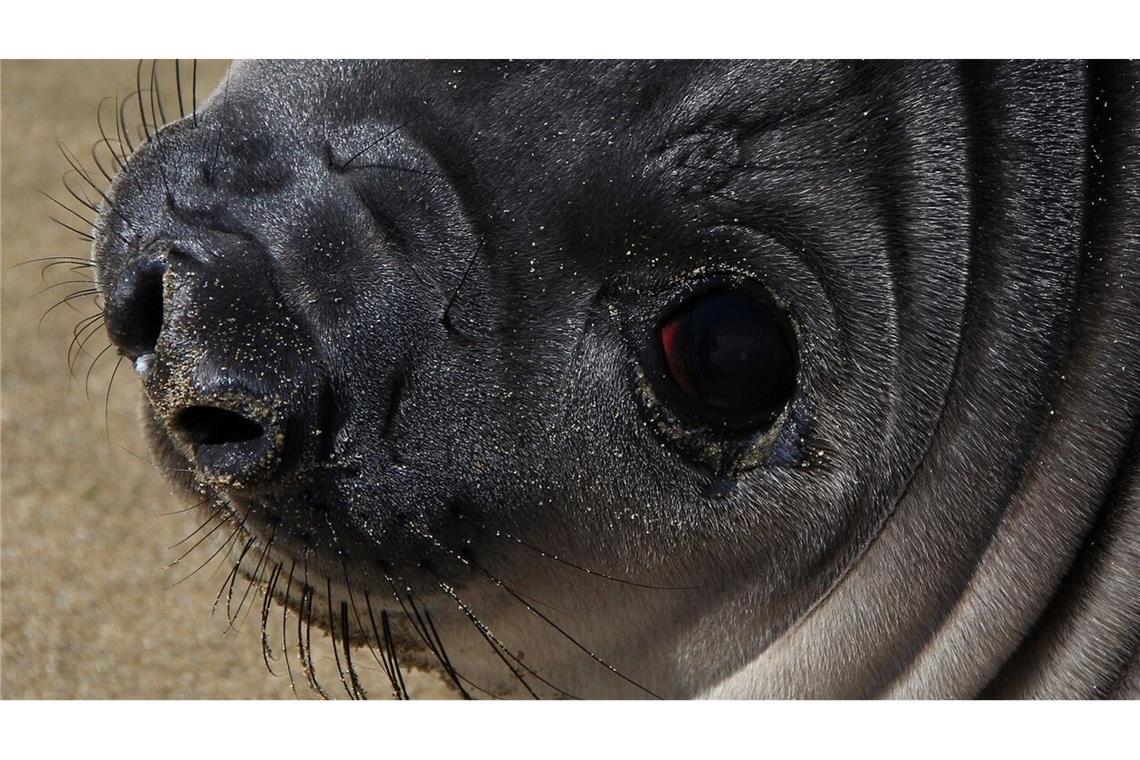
(651, 379)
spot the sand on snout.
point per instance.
(85, 611)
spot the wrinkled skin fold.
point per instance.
(395, 325)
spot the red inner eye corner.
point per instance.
(673, 343)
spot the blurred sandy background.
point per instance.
(84, 609)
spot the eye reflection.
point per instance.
(731, 354)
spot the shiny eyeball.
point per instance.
(732, 355)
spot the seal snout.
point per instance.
(135, 308)
(227, 363)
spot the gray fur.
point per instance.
(949, 506)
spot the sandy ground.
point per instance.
(85, 611)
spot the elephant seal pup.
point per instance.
(658, 379)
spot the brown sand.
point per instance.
(84, 608)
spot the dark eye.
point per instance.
(732, 355)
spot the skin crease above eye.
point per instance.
(428, 355)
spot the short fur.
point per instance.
(438, 282)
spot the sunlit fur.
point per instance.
(466, 259)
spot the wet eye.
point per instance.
(732, 358)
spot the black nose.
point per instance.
(229, 369)
(237, 447)
(135, 306)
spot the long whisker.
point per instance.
(218, 510)
(390, 645)
(529, 608)
(197, 543)
(121, 131)
(121, 123)
(66, 300)
(74, 265)
(120, 159)
(91, 369)
(218, 141)
(561, 631)
(267, 603)
(82, 235)
(78, 167)
(84, 330)
(107, 395)
(62, 283)
(390, 664)
(194, 91)
(384, 663)
(306, 650)
(154, 464)
(89, 223)
(224, 547)
(285, 628)
(352, 684)
(91, 329)
(230, 579)
(499, 533)
(142, 109)
(183, 510)
(416, 622)
(56, 260)
(496, 645)
(106, 140)
(428, 626)
(87, 380)
(255, 577)
(156, 95)
(80, 196)
(178, 86)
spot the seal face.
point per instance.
(658, 379)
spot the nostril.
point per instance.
(236, 450)
(211, 425)
(135, 319)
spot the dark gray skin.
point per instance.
(413, 310)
